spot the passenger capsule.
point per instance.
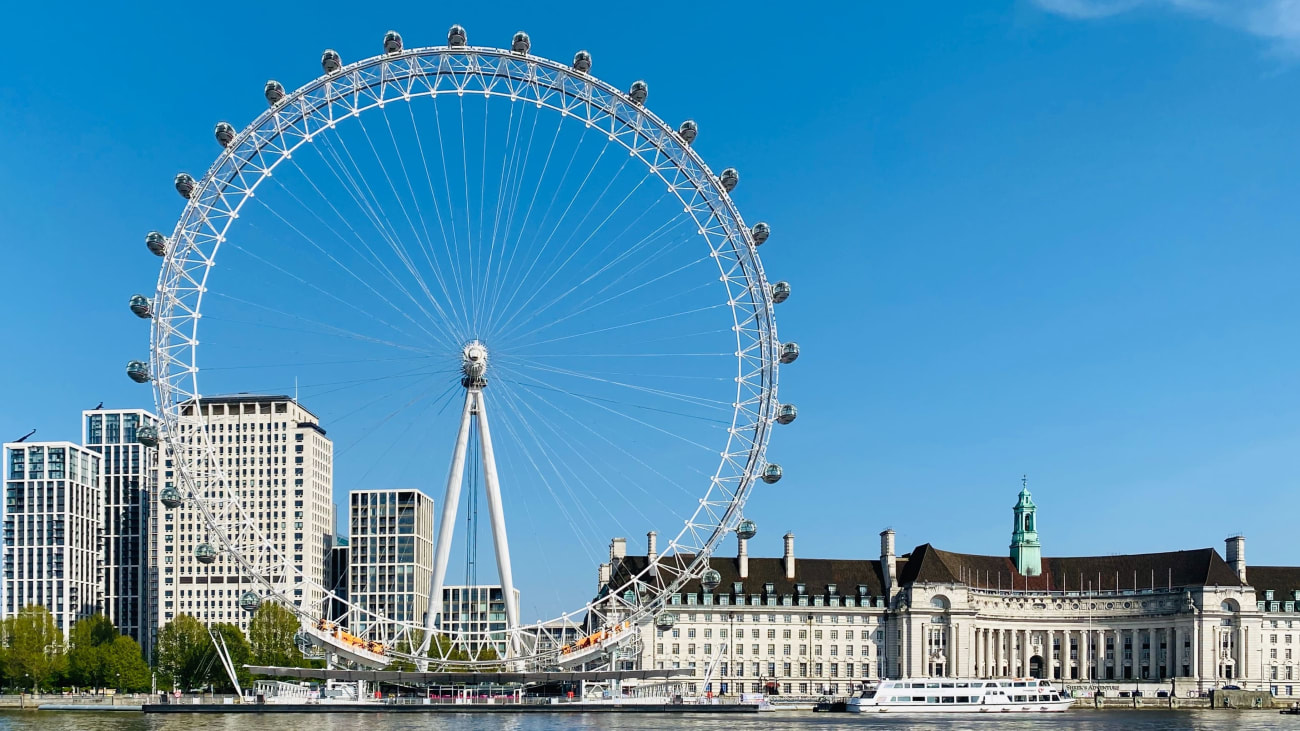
(249, 601)
(456, 36)
(710, 579)
(689, 131)
(786, 414)
(171, 498)
(274, 92)
(185, 185)
(329, 60)
(147, 435)
(225, 134)
(664, 621)
(760, 232)
(780, 292)
(789, 353)
(156, 242)
(729, 178)
(205, 553)
(392, 42)
(520, 44)
(746, 530)
(141, 307)
(582, 61)
(138, 371)
(638, 92)
(772, 474)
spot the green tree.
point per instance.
(183, 648)
(124, 667)
(91, 637)
(33, 648)
(241, 654)
(271, 634)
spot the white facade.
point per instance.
(390, 544)
(274, 452)
(52, 525)
(129, 477)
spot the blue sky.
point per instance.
(1052, 238)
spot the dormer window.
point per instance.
(800, 589)
(737, 587)
(832, 589)
(769, 587)
(1268, 595)
(862, 589)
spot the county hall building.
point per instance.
(825, 626)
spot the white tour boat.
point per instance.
(957, 695)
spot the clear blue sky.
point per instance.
(1053, 237)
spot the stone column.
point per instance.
(997, 652)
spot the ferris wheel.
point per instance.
(463, 230)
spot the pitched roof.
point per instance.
(1282, 580)
(816, 574)
(1198, 567)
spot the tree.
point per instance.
(241, 654)
(271, 634)
(33, 648)
(123, 665)
(91, 637)
(182, 648)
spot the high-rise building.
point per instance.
(390, 556)
(478, 609)
(52, 522)
(278, 460)
(129, 477)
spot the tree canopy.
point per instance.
(271, 634)
(32, 649)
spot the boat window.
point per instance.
(945, 685)
(963, 685)
(918, 699)
(930, 685)
(949, 699)
(1019, 685)
(932, 699)
(1056, 697)
(963, 699)
(1018, 699)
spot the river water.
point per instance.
(1089, 720)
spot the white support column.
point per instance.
(450, 506)
(497, 513)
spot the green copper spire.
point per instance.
(1025, 549)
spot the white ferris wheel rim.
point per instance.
(392, 78)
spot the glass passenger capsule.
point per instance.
(274, 92)
(638, 92)
(171, 498)
(224, 133)
(392, 42)
(710, 579)
(185, 185)
(665, 621)
(520, 43)
(582, 61)
(330, 61)
(689, 131)
(746, 530)
(786, 414)
(760, 232)
(780, 292)
(205, 553)
(141, 307)
(729, 179)
(156, 242)
(456, 36)
(772, 474)
(138, 371)
(148, 436)
(789, 353)
(249, 601)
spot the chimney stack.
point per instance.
(789, 556)
(617, 549)
(888, 566)
(651, 547)
(1237, 555)
(603, 577)
(742, 557)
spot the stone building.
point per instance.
(814, 626)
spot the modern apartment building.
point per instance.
(54, 509)
(129, 478)
(477, 609)
(390, 539)
(275, 456)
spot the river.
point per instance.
(1089, 720)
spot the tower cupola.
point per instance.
(1026, 552)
